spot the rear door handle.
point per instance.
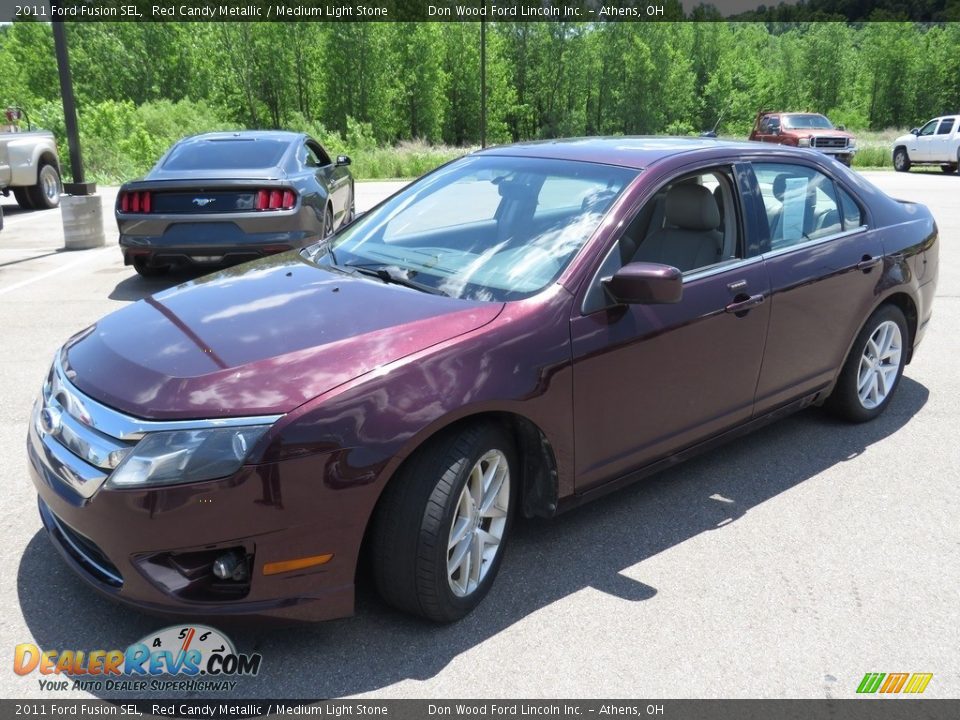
(867, 263)
(743, 303)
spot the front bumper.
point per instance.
(153, 548)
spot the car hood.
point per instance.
(905, 138)
(260, 338)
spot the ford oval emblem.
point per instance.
(50, 420)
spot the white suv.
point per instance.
(936, 143)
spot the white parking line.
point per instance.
(12, 220)
(88, 255)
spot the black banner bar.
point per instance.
(872, 708)
(473, 10)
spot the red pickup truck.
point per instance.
(810, 130)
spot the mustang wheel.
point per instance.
(872, 371)
(327, 223)
(46, 193)
(901, 161)
(441, 526)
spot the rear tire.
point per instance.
(146, 270)
(45, 195)
(871, 374)
(441, 526)
(23, 198)
(901, 161)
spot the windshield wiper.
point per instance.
(383, 273)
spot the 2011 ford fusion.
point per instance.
(515, 333)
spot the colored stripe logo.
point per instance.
(894, 683)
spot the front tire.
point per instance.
(901, 161)
(45, 195)
(441, 526)
(873, 369)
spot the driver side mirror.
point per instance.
(841, 127)
(915, 131)
(343, 160)
(641, 283)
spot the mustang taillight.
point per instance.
(275, 199)
(136, 202)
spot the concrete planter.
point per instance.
(82, 222)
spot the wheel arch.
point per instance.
(48, 158)
(539, 483)
(908, 307)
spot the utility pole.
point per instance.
(483, 79)
(69, 107)
(81, 209)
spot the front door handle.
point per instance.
(867, 263)
(742, 303)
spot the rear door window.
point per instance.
(801, 203)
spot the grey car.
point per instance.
(227, 197)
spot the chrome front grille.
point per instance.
(82, 440)
(79, 454)
(828, 142)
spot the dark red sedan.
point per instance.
(513, 334)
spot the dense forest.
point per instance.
(361, 86)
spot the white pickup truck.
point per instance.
(29, 166)
(936, 143)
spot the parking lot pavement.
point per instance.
(786, 564)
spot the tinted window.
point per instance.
(229, 154)
(946, 127)
(850, 210)
(801, 203)
(929, 128)
(484, 228)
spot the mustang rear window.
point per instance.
(226, 154)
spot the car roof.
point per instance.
(286, 135)
(628, 151)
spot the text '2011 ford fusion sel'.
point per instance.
(517, 332)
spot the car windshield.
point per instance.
(227, 154)
(806, 122)
(482, 228)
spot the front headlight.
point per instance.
(804, 142)
(185, 456)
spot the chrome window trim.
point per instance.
(813, 243)
(721, 267)
(125, 427)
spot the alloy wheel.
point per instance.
(879, 364)
(478, 523)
